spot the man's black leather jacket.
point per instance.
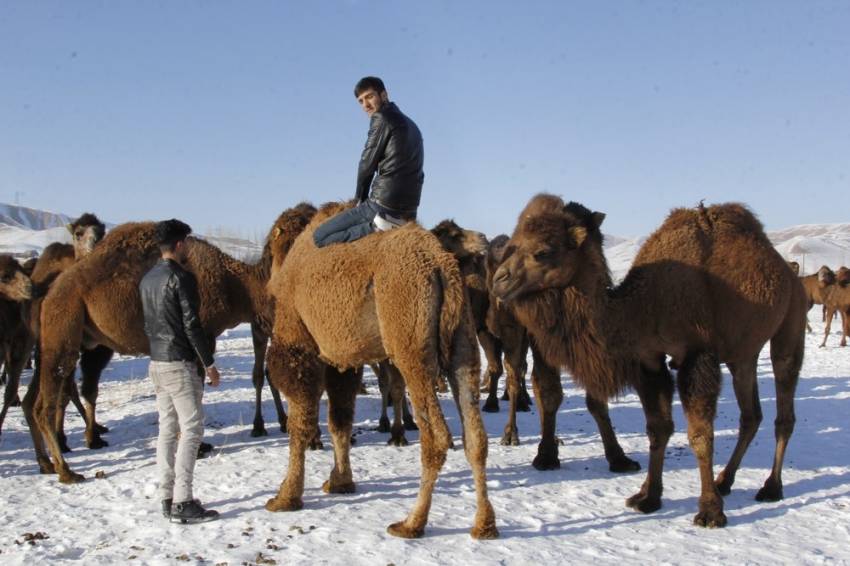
(170, 303)
(393, 151)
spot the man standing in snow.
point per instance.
(393, 156)
(170, 303)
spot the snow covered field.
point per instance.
(575, 514)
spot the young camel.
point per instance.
(707, 287)
(836, 298)
(85, 231)
(16, 292)
(814, 286)
(393, 295)
(86, 307)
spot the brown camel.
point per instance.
(85, 231)
(85, 306)
(16, 291)
(836, 298)
(814, 286)
(707, 287)
(393, 295)
(795, 267)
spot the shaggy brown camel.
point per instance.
(16, 291)
(546, 381)
(814, 286)
(707, 287)
(85, 307)
(393, 295)
(836, 298)
(85, 231)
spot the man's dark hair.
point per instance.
(169, 232)
(366, 83)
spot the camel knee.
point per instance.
(659, 432)
(784, 426)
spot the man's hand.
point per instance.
(213, 376)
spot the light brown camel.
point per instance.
(707, 287)
(393, 295)
(836, 298)
(87, 307)
(85, 231)
(814, 286)
(16, 291)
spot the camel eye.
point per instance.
(543, 255)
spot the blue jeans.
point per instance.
(347, 226)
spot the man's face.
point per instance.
(370, 101)
(180, 251)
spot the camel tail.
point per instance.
(452, 306)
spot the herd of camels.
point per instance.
(706, 288)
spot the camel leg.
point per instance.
(16, 358)
(549, 394)
(655, 390)
(28, 406)
(463, 379)
(618, 462)
(396, 393)
(92, 364)
(342, 388)
(745, 382)
(699, 383)
(298, 375)
(523, 404)
(259, 341)
(54, 382)
(384, 387)
(786, 355)
(434, 442)
(845, 328)
(514, 357)
(829, 314)
(493, 350)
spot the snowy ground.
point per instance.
(575, 514)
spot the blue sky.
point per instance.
(226, 113)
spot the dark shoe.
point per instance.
(204, 449)
(190, 512)
(166, 508)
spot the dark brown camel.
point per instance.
(393, 295)
(86, 307)
(707, 287)
(814, 286)
(16, 291)
(85, 231)
(836, 298)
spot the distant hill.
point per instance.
(24, 232)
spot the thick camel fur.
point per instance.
(86, 231)
(96, 302)
(16, 292)
(707, 287)
(836, 298)
(546, 381)
(393, 295)
(814, 286)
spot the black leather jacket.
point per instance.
(170, 303)
(393, 151)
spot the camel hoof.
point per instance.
(290, 504)
(46, 467)
(510, 438)
(258, 432)
(505, 396)
(487, 532)
(400, 440)
(543, 462)
(384, 425)
(64, 448)
(96, 443)
(409, 424)
(770, 492)
(723, 485)
(523, 407)
(71, 477)
(623, 464)
(100, 429)
(643, 503)
(316, 444)
(491, 405)
(402, 531)
(328, 487)
(711, 519)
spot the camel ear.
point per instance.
(277, 232)
(578, 234)
(70, 228)
(598, 217)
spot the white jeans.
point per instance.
(179, 391)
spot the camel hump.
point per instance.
(718, 219)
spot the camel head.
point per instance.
(15, 285)
(87, 230)
(795, 267)
(826, 276)
(458, 241)
(286, 228)
(842, 276)
(553, 242)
